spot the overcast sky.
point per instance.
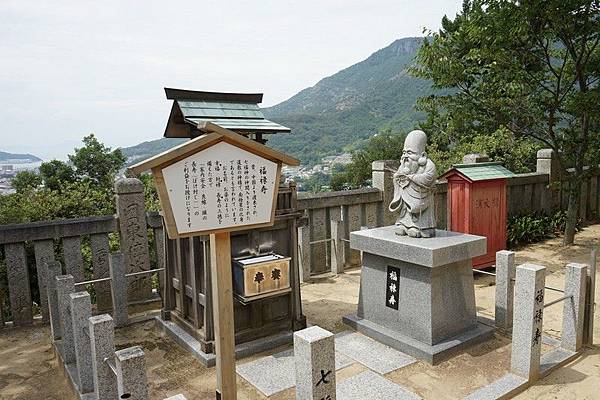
(68, 68)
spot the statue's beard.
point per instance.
(409, 166)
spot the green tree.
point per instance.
(531, 68)
(383, 146)
(56, 173)
(97, 162)
(25, 181)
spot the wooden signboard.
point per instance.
(214, 184)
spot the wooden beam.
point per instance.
(220, 250)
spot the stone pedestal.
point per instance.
(417, 294)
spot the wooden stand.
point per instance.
(223, 315)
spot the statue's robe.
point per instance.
(414, 198)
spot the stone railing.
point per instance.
(30, 247)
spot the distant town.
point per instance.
(300, 174)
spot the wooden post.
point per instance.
(220, 254)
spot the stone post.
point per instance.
(18, 283)
(73, 257)
(65, 285)
(574, 307)
(103, 348)
(314, 355)
(44, 254)
(81, 311)
(588, 331)
(100, 251)
(382, 174)
(133, 234)
(305, 253)
(547, 163)
(527, 321)
(53, 270)
(505, 273)
(131, 373)
(118, 282)
(338, 258)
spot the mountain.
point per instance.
(18, 158)
(342, 110)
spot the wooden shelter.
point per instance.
(208, 118)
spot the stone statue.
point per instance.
(414, 186)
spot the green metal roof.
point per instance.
(482, 171)
(233, 111)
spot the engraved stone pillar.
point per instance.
(371, 218)
(337, 247)
(527, 321)
(574, 307)
(118, 282)
(81, 311)
(103, 348)
(318, 251)
(54, 269)
(65, 285)
(100, 252)
(314, 355)
(382, 174)
(131, 373)
(134, 235)
(44, 253)
(304, 244)
(505, 273)
(18, 283)
(73, 257)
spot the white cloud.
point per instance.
(72, 67)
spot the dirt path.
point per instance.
(29, 370)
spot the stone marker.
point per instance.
(314, 353)
(81, 311)
(100, 251)
(505, 273)
(527, 321)
(574, 307)
(18, 283)
(44, 254)
(103, 348)
(73, 257)
(131, 373)
(119, 288)
(134, 235)
(53, 270)
(65, 285)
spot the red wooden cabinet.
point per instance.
(477, 205)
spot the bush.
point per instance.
(535, 227)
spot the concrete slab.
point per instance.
(432, 354)
(503, 388)
(372, 354)
(189, 343)
(443, 249)
(371, 386)
(275, 373)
